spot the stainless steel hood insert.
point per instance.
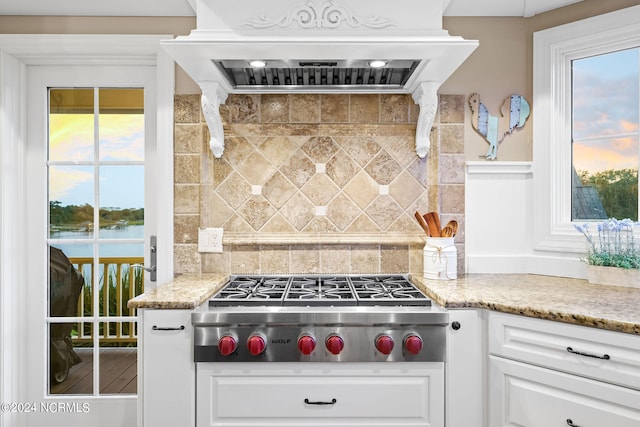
(321, 46)
(305, 75)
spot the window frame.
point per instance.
(554, 237)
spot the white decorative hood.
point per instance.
(319, 46)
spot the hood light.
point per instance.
(258, 63)
(377, 63)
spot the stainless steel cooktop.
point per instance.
(343, 318)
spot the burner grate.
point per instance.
(251, 290)
(320, 291)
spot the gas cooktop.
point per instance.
(339, 290)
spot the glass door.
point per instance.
(91, 147)
(96, 237)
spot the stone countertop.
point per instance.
(187, 291)
(546, 297)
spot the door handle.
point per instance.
(153, 259)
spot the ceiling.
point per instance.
(182, 7)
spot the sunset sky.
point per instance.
(605, 106)
(71, 139)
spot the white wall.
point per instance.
(498, 216)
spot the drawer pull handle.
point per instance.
(595, 356)
(570, 423)
(161, 328)
(308, 402)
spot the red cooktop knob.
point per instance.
(227, 345)
(413, 344)
(384, 344)
(306, 344)
(256, 345)
(334, 344)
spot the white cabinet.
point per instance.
(465, 373)
(530, 396)
(544, 373)
(167, 373)
(320, 394)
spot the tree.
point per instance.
(618, 191)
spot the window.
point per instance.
(557, 247)
(604, 129)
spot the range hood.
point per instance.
(319, 46)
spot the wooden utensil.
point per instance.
(433, 222)
(422, 223)
(447, 231)
(454, 227)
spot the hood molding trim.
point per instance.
(212, 97)
(426, 96)
(309, 15)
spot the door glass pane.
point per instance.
(71, 201)
(121, 124)
(96, 154)
(118, 358)
(71, 124)
(71, 359)
(70, 280)
(605, 150)
(122, 277)
(122, 201)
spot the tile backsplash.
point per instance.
(314, 183)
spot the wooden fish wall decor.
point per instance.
(514, 112)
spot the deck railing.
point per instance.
(117, 283)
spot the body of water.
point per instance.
(106, 249)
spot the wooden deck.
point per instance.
(118, 373)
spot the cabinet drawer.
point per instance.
(594, 353)
(326, 398)
(529, 396)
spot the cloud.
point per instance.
(604, 106)
(71, 137)
(122, 137)
(65, 181)
(621, 153)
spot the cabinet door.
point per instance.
(524, 395)
(320, 395)
(607, 356)
(168, 370)
(465, 362)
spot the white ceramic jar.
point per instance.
(440, 258)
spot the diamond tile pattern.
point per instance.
(383, 169)
(365, 144)
(256, 168)
(298, 211)
(320, 148)
(299, 169)
(262, 148)
(320, 189)
(256, 211)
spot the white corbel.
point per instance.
(426, 96)
(212, 96)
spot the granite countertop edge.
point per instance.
(186, 291)
(560, 299)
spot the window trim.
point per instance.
(553, 50)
